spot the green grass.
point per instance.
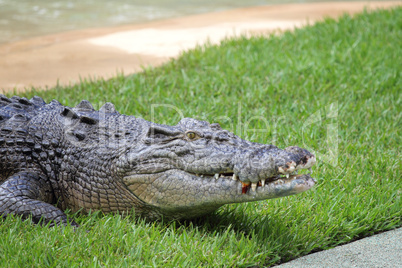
(276, 85)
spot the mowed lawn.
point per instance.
(334, 87)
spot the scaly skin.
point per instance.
(54, 157)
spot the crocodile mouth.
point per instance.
(253, 186)
(280, 185)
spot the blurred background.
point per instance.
(20, 19)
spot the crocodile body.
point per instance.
(54, 157)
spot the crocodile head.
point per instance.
(193, 168)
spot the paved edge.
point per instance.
(381, 250)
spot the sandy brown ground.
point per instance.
(64, 58)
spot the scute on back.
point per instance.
(19, 107)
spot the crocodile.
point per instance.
(55, 158)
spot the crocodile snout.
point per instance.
(264, 162)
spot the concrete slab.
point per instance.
(382, 250)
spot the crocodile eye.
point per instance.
(191, 135)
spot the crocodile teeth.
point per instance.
(287, 175)
(310, 170)
(254, 186)
(216, 176)
(262, 183)
(234, 177)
